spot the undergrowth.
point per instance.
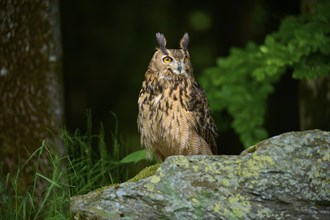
(87, 165)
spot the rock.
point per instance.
(284, 177)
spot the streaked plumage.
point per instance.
(174, 116)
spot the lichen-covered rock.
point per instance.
(284, 177)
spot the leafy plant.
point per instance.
(91, 165)
(87, 166)
(242, 82)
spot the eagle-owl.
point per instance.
(174, 116)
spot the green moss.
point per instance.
(217, 208)
(181, 161)
(256, 164)
(146, 172)
(239, 205)
(225, 182)
(155, 179)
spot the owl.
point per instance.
(174, 116)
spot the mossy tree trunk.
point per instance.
(31, 107)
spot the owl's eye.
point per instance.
(167, 59)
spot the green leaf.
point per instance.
(241, 83)
(134, 157)
(49, 180)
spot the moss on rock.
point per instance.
(287, 176)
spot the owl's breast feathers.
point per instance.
(174, 117)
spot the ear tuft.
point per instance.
(161, 41)
(184, 41)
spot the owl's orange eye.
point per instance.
(167, 59)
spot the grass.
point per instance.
(15, 204)
(88, 165)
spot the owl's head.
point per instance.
(171, 63)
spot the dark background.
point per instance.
(107, 46)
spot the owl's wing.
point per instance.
(204, 123)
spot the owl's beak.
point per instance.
(179, 67)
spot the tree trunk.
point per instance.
(31, 107)
(314, 93)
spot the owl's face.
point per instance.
(171, 63)
(176, 61)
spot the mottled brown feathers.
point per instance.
(174, 116)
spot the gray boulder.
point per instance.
(284, 177)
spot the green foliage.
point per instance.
(54, 203)
(91, 165)
(87, 166)
(242, 82)
(134, 157)
(200, 20)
